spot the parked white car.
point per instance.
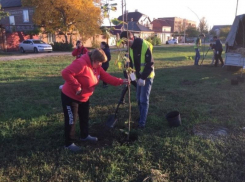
(34, 45)
(172, 41)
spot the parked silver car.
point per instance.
(34, 45)
(172, 41)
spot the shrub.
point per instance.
(60, 46)
(154, 40)
(149, 39)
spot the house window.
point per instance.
(11, 20)
(25, 16)
(51, 38)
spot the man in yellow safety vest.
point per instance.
(197, 47)
(141, 59)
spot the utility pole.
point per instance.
(184, 29)
(122, 11)
(236, 8)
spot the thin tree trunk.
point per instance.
(66, 39)
(129, 108)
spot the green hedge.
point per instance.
(59, 46)
(154, 40)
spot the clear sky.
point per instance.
(216, 12)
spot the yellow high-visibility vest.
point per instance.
(145, 46)
(198, 43)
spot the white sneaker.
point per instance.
(90, 139)
(73, 148)
(60, 87)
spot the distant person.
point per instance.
(212, 48)
(197, 47)
(81, 78)
(105, 47)
(218, 51)
(79, 50)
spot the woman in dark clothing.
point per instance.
(105, 47)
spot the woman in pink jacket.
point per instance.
(81, 77)
(79, 50)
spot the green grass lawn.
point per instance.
(31, 124)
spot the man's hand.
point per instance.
(79, 92)
(126, 82)
(141, 82)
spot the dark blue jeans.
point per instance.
(197, 57)
(143, 96)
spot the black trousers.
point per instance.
(105, 66)
(72, 110)
(218, 57)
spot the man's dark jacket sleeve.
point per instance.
(149, 63)
(218, 45)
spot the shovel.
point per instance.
(113, 118)
(204, 56)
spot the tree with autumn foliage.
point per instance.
(67, 16)
(3, 13)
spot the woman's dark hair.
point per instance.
(105, 44)
(78, 42)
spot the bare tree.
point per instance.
(203, 26)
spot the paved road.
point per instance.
(19, 56)
(32, 55)
(38, 55)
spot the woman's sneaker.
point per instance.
(90, 139)
(73, 148)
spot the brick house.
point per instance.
(138, 24)
(176, 25)
(16, 28)
(162, 29)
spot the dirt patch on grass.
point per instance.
(212, 132)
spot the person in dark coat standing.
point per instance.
(105, 47)
(218, 51)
